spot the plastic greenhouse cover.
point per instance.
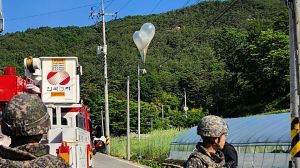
(272, 129)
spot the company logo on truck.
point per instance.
(58, 77)
(61, 77)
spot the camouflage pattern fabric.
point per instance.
(212, 126)
(25, 115)
(32, 155)
(200, 158)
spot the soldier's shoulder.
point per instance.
(194, 161)
(50, 160)
(14, 154)
(36, 149)
(4, 163)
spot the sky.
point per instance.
(23, 14)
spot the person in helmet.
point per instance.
(25, 120)
(213, 131)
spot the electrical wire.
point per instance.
(124, 6)
(187, 44)
(157, 4)
(109, 4)
(49, 13)
(186, 3)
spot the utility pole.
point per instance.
(102, 125)
(185, 108)
(294, 31)
(139, 104)
(139, 100)
(1, 18)
(103, 49)
(162, 113)
(128, 120)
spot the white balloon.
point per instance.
(139, 40)
(143, 52)
(143, 38)
(149, 30)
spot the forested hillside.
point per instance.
(233, 66)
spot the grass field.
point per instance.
(154, 146)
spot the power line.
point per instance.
(155, 6)
(186, 3)
(115, 14)
(49, 13)
(187, 44)
(125, 5)
(109, 4)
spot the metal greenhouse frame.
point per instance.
(261, 140)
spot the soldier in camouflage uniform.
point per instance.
(208, 154)
(25, 120)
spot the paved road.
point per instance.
(105, 161)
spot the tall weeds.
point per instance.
(153, 146)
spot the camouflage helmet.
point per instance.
(212, 126)
(25, 115)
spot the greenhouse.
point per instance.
(261, 140)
